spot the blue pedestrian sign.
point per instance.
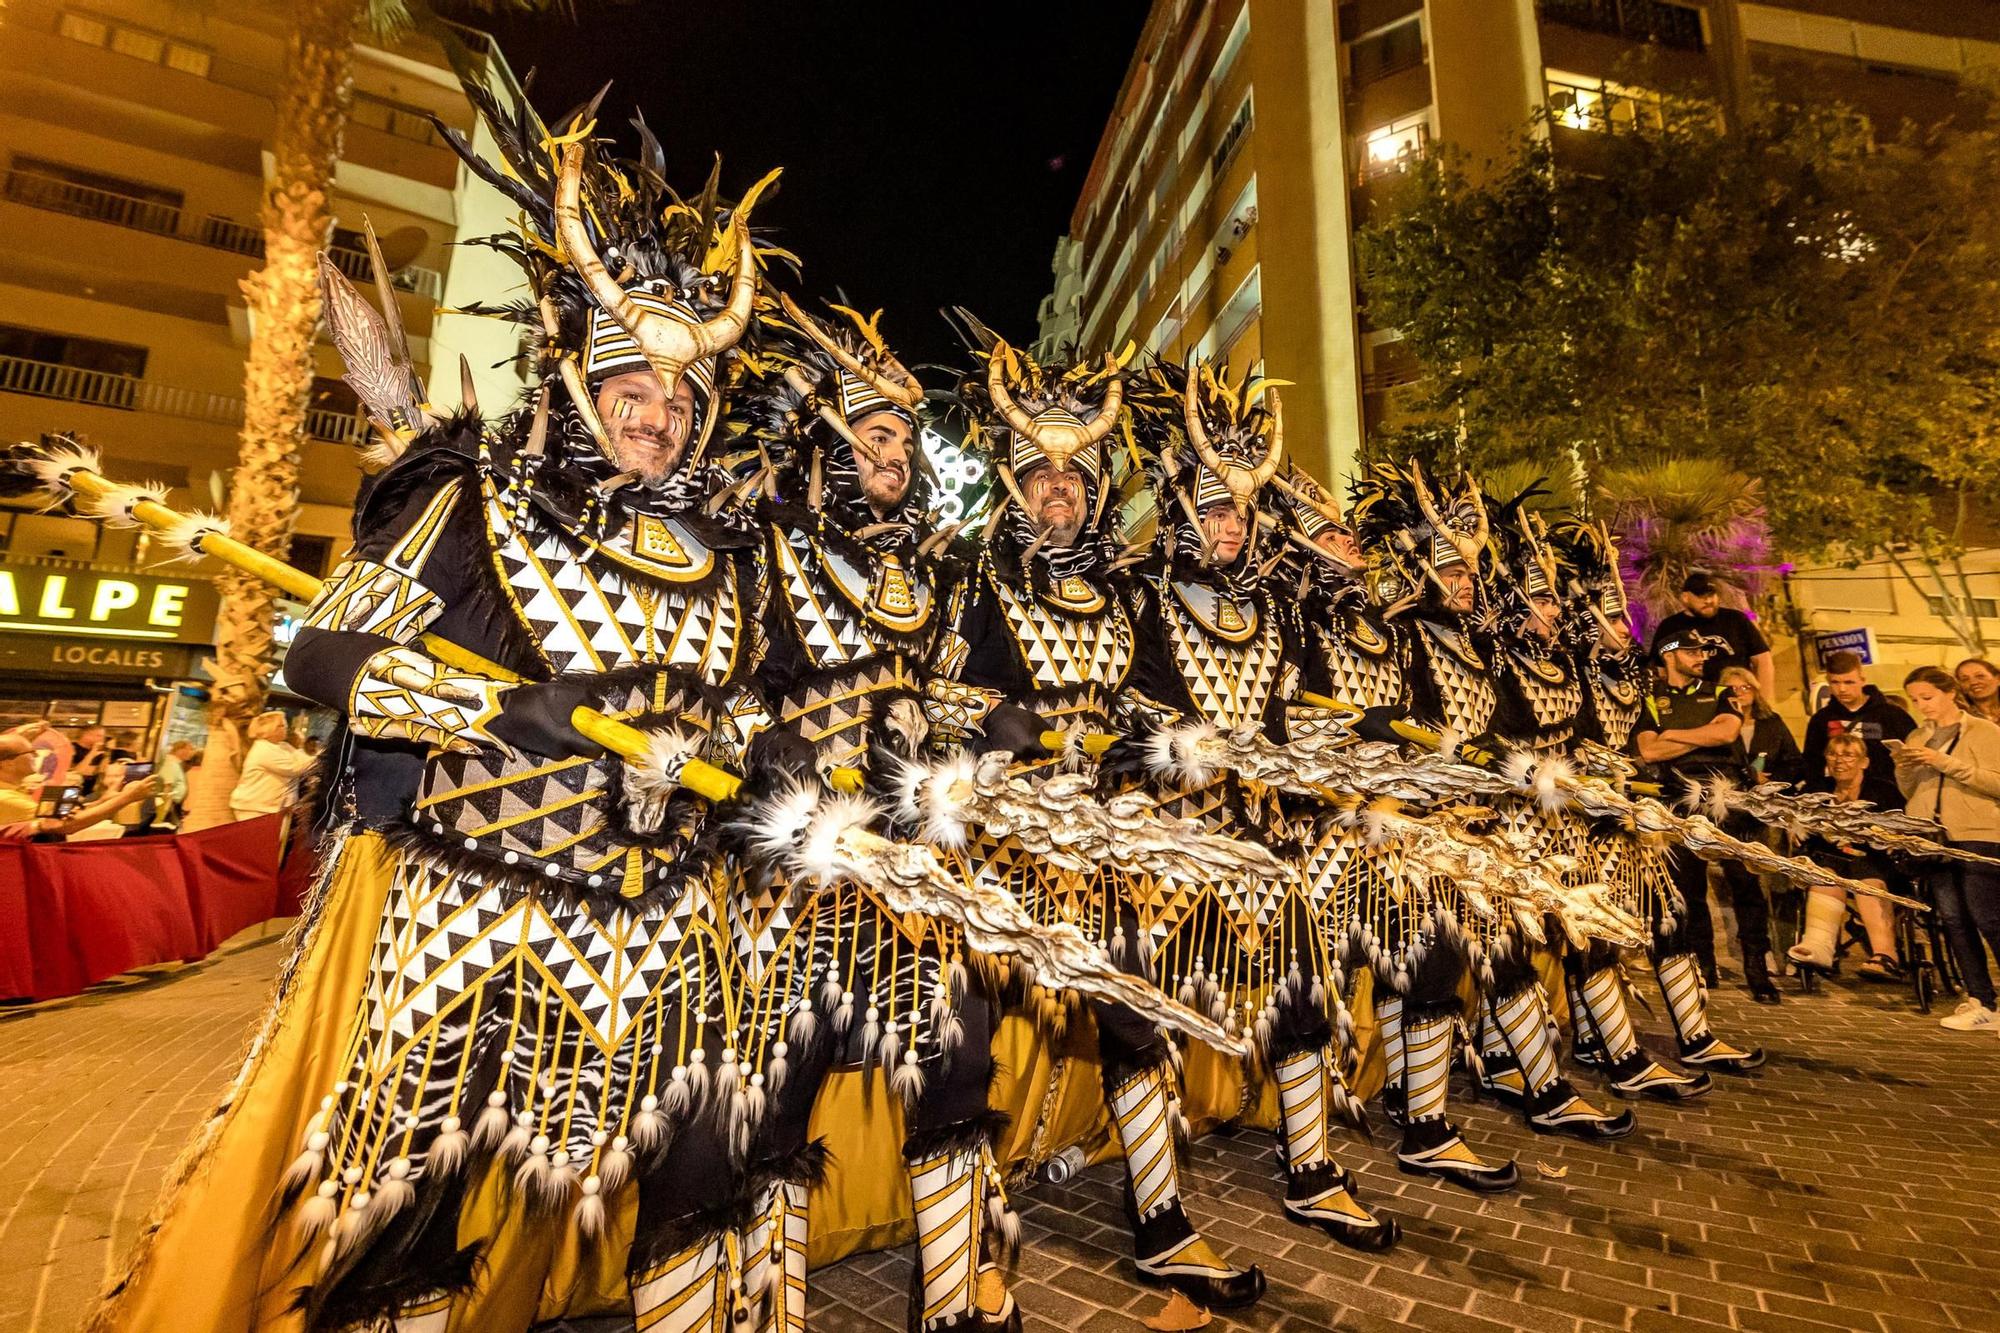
(1828, 642)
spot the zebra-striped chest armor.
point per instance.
(862, 620)
(1362, 665)
(1074, 642)
(650, 594)
(1463, 678)
(1227, 650)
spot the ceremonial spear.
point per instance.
(815, 838)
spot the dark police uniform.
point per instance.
(1683, 708)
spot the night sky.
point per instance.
(932, 150)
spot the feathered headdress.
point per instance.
(817, 383)
(1593, 592)
(1215, 441)
(1023, 415)
(1527, 563)
(1395, 512)
(626, 275)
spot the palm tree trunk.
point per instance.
(284, 303)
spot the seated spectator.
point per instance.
(1979, 681)
(1766, 741)
(1949, 771)
(271, 770)
(18, 804)
(1848, 778)
(1858, 707)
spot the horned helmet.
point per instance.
(1597, 604)
(1431, 546)
(1026, 416)
(1217, 441)
(819, 386)
(625, 274)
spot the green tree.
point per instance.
(1800, 300)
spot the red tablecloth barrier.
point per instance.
(72, 914)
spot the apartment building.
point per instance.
(133, 155)
(1250, 139)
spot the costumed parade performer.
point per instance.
(1607, 655)
(537, 1057)
(1429, 555)
(860, 652)
(1047, 625)
(1211, 650)
(1538, 696)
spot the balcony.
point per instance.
(1671, 25)
(127, 393)
(214, 232)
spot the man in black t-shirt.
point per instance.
(1688, 732)
(1740, 642)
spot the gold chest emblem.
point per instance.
(1074, 590)
(1363, 636)
(656, 540)
(1548, 671)
(1229, 618)
(892, 588)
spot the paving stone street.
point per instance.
(1853, 1183)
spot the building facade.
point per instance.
(133, 155)
(1251, 138)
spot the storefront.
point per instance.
(122, 648)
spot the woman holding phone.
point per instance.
(1949, 770)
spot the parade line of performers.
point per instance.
(1157, 822)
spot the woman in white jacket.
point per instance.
(271, 771)
(1949, 770)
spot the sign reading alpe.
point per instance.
(85, 604)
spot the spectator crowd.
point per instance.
(94, 784)
(1933, 751)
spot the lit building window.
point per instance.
(1393, 147)
(1584, 103)
(138, 43)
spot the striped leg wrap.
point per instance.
(1523, 1020)
(1389, 1020)
(1302, 1110)
(1604, 1002)
(1427, 1066)
(426, 1316)
(949, 1193)
(1144, 1115)
(774, 1259)
(1687, 1002)
(689, 1293)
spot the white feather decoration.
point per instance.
(51, 467)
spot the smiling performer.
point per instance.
(503, 1041)
(860, 650)
(1047, 626)
(1430, 551)
(1212, 649)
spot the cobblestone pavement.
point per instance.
(1854, 1183)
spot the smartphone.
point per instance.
(60, 803)
(134, 772)
(1892, 742)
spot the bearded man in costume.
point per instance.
(1047, 627)
(1212, 649)
(537, 1060)
(1617, 681)
(861, 648)
(1430, 552)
